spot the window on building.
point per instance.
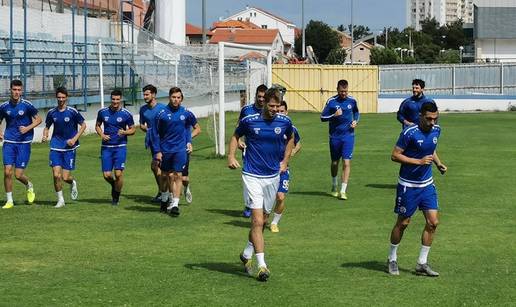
(239, 18)
(264, 26)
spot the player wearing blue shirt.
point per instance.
(255, 108)
(341, 111)
(118, 124)
(169, 143)
(416, 151)
(21, 117)
(285, 176)
(64, 142)
(148, 114)
(408, 113)
(266, 157)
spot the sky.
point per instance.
(376, 14)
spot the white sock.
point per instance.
(276, 218)
(260, 257)
(423, 254)
(175, 202)
(248, 250)
(74, 183)
(393, 255)
(334, 182)
(165, 196)
(29, 186)
(60, 195)
(9, 196)
(344, 187)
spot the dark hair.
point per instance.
(151, 88)
(173, 90)
(429, 107)
(116, 92)
(272, 93)
(261, 88)
(62, 90)
(16, 83)
(418, 82)
(284, 103)
(342, 83)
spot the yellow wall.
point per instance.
(310, 86)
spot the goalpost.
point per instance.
(221, 148)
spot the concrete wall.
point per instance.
(389, 104)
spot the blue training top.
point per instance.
(410, 108)
(114, 120)
(16, 115)
(66, 124)
(265, 143)
(417, 144)
(170, 126)
(147, 117)
(340, 126)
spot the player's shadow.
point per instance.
(223, 267)
(140, 199)
(233, 213)
(142, 209)
(96, 201)
(239, 223)
(311, 193)
(381, 186)
(370, 265)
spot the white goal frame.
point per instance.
(222, 116)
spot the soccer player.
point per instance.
(170, 148)
(148, 114)
(20, 119)
(265, 139)
(341, 111)
(416, 151)
(255, 108)
(285, 176)
(63, 144)
(408, 113)
(118, 124)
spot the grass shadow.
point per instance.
(142, 209)
(140, 199)
(97, 201)
(233, 213)
(371, 266)
(381, 186)
(238, 223)
(222, 267)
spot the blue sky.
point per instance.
(375, 14)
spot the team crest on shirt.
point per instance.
(277, 130)
(119, 119)
(67, 119)
(106, 118)
(21, 112)
(434, 140)
(182, 117)
(257, 130)
(349, 106)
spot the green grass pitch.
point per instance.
(328, 252)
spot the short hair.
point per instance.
(62, 90)
(272, 93)
(342, 83)
(284, 104)
(429, 107)
(261, 88)
(173, 90)
(16, 82)
(151, 88)
(116, 92)
(418, 82)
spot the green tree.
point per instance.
(321, 37)
(336, 56)
(448, 57)
(359, 31)
(382, 56)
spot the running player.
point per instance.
(408, 113)
(63, 144)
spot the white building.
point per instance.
(444, 11)
(267, 20)
(495, 30)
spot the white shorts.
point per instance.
(260, 193)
